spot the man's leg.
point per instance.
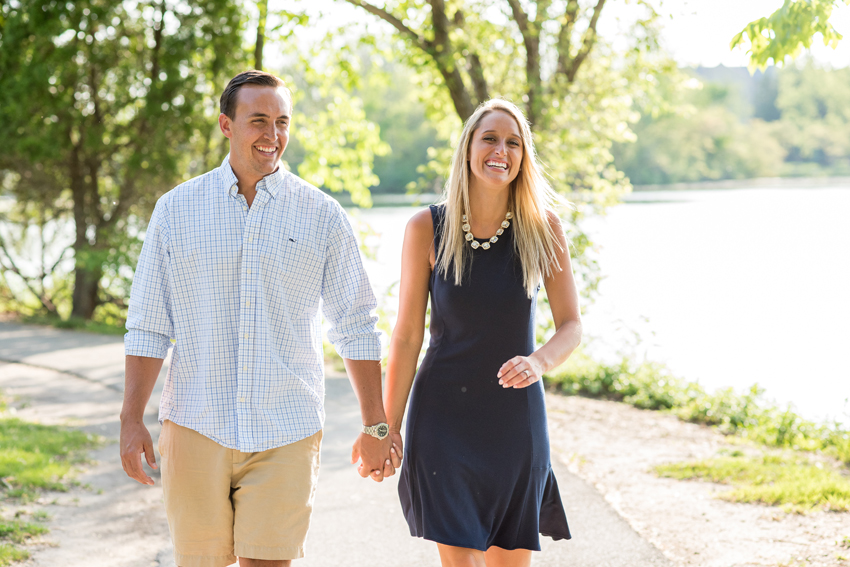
(196, 490)
(272, 493)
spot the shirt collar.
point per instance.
(271, 183)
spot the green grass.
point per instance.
(110, 327)
(20, 532)
(34, 457)
(10, 554)
(650, 385)
(791, 481)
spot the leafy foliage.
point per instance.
(650, 385)
(577, 91)
(788, 31)
(797, 123)
(700, 137)
(814, 125)
(98, 102)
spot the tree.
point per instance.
(788, 31)
(814, 127)
(103, 106)
(701, 138)
(577, 91)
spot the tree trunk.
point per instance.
(86, 277)
(263, 6)
(86, 290)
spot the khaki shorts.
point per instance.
(222, 503)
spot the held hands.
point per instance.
(374, 455)
(519, 372)
(135, 440)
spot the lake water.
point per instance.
(728, 287)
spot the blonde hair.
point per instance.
(531, 201)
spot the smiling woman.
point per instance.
(477, 477)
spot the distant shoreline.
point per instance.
(754, 183)
(424, 199)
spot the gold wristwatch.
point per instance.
(379, 431)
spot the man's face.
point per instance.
(259, 131)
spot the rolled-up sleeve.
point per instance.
(150, 327)
(348, 300)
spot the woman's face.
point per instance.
(495, 151)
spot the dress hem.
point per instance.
(465, 546)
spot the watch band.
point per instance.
(378, 431)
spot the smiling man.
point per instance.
(234, 266)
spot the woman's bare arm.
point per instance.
(417, 259)
(563, 300)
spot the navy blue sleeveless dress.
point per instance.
(476, 470)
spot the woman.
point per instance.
(477, 479)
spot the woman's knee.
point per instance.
(451, 556)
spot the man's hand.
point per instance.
(135, 440)
(374, 455)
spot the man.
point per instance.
(234, 265)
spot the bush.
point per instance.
(650, 385)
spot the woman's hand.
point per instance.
(397, 452)
(519, 372)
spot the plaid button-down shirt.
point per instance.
(240, 290)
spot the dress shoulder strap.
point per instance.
(438, 217)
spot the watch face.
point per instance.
(383, 429)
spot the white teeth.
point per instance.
(496, 164)
(266, 149)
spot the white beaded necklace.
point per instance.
(486, 244)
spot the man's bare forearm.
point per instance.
(140, 374)
(365, 376)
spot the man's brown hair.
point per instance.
(227, 103)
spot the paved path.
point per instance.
(77, 378)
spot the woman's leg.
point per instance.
(451, 556)
(498, 557)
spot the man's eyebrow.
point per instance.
(263, 115)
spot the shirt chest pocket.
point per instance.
(299, 272)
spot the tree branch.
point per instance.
(542, 12)
(420, 41)
(476, 73)
(521, 19)
(439, 50)
(587, 42)
(13, 267)
(473, 65)
(531, 38)
(564, 36)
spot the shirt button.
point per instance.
(247, 304)
(241, 399)
(246, 335)
(244, 368)
(249, 270)
(250, 239)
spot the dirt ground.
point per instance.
(614, 447)
(108, 520)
